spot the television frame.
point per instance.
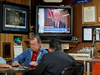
(20, 21)
(59, 36)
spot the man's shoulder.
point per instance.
(43, 50)
(60, 53)
(51, 23)
(62, 22)
(27, 50)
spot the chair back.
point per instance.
(69, 71)
(80, 68)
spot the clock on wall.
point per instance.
(52, 1)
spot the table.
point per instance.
(16, 69)
(88, 64)
(81, 57)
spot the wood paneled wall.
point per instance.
(77, 19)
(77, 22)
(8, 37)
(23, 2)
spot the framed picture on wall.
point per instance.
(89, 14)
(96, 32)
(87, 34)
(14, 18)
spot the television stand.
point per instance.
(68, 46)
(48, 38)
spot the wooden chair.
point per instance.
(69, 71)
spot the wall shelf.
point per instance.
(72, 45)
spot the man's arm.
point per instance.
(5, 65)
(41, 66)
(20, 58)
(34, 63)
(40, 69)
(15, 63)
(2, 61)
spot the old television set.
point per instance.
(45, 15)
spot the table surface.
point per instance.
(93, 60)
(16, 69)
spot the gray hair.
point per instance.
(57, 11)
(35, 37)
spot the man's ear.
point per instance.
(49, 49)
(40, 42)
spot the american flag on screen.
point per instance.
(50, 14)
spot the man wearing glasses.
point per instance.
(32, 55)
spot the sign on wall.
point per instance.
(80, 1)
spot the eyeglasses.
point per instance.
(32, 44)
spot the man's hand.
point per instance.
(5, 65)
(34, 63)
(15, 63)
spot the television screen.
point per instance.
(54, 20)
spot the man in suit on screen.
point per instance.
(57, 23)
